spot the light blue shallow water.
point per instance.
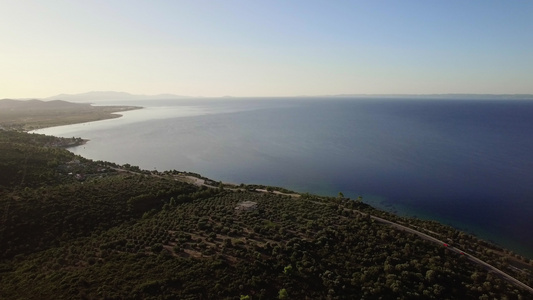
(463, 162)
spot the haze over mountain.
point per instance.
(97, 96)
(109, 95)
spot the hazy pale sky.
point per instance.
(265, 48)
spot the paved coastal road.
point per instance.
(454, 249)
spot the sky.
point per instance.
(269, 48)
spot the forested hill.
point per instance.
(75, 228)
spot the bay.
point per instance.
(466, 163)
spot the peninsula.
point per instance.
(34, 114)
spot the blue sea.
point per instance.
(466, 163)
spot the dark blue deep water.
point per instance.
(467, 163)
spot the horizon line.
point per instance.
(170, 95)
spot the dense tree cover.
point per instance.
(51, 195)
(126, 234)
(30, 159)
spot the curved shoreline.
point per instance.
(35, 114)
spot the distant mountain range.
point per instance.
(34, 104)
(109, 95)
(97, 96)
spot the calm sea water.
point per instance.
(467, 163)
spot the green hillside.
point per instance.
(74, 228)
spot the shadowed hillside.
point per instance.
(76, 228)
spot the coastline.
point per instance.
(107, 113)
(35, 114)
(412, 226)
(117, 138)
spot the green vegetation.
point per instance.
(76, 228)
